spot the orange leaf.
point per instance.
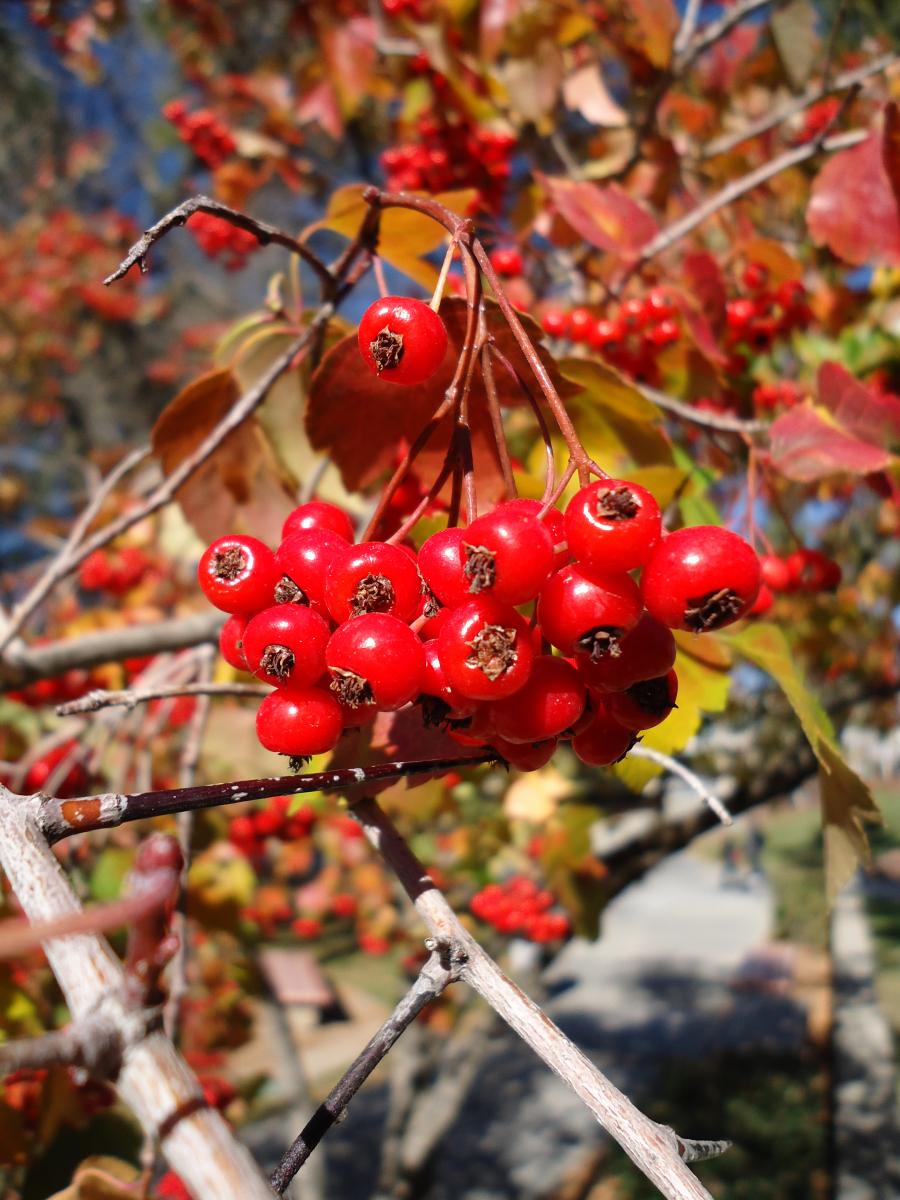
(606, 217)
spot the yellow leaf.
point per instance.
(101, 1177)
(847, 803)
(534, 796)
(609, 390)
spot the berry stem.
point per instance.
(550, 458)
(493, 400)
(438, 293)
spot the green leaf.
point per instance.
(847, 804)
(109, 872)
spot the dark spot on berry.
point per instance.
(374, 593)
(625, 753)
(492, 650)
(601, 642)
(436, 714)
(712, 610)
(617, 504)
(277, 660)
(387, 349)
(287, 592)
(351, 689)
(479, 567)
(652, 696)
(230, 563)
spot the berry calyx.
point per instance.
(646, 652)
(286, 644)
(701, 578)
(373, 577)
(238, 575)
(485, 649)
(403, 340)
(508, 554)
(644, 704)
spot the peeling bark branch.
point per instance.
(93, 1044)
(128, 698)
(154, 1080)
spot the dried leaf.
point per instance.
(238, 487)
(847, 803)
(585, 92)
(533, 83)
(606, 217)
(494, 16)
(853, 209)
(535, 796)
(794, 29)
(652, 30)
(348, 48)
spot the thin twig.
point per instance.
(699, 416)
(128, 698)
(441, 969)
(687, 27)
(716, 30)
(549, 456)
(798, 104)
(694, 782)
(265, 234)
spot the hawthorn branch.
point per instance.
(698, 416)
(694, 782)
(654, 1149)
(812, 95)
(716, 30)
(94, 1044)
(60, 819)
(441, 969)
(129, 698)
(20, 666)
(154, 1081)
(265, 234)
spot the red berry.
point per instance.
(304, 559)
(646, 652)
(403, 340)
(775, 572)
(606, 335)
(230, 636)
(555, 322)
(812, 571)
(485, 649)
(763, 602)
(755, 276)
(375, 659)
(507, 261)
(527, 756)
(550, 703)
(701, 578)
(581, 609)
(238, 575)
(644, 704)
(441, 566)
(318, 514)
(286, 644)
(612, 524)
(508, 555)
(435, 686)
(373, 577)
(299, 722)
(604, 741)
(581, 320)
(554, 521)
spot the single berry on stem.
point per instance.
(701, 578)
(588, 611)
(238, 575)
(286, 644)
(373, 577)
(612, 524)
(318, 514)
(508, 554)
(485, 649)
(375, 659)
(403, 340)
(299, 722)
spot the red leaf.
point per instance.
(848, 434)
(874, 417)
(606, 217)
(853, 209)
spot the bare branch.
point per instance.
(60, 819)
(154, 1080)
(812, 95)
(722, 422)
(687, 27)
(93, 701)
(265, 234)
(652, 1147)
(94, 1044)
(20, 666)
(441, 970)
(716, 30)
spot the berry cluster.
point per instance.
(249, 832)
(71, 685)
(629, 337)
(220, 239)
(207, 136)
(343, 631)
(754, 322)
(772, 397)
(450, 151)
(63, 761)
(803, 570)
(518, 906)
(116, 572)
(414, 10)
